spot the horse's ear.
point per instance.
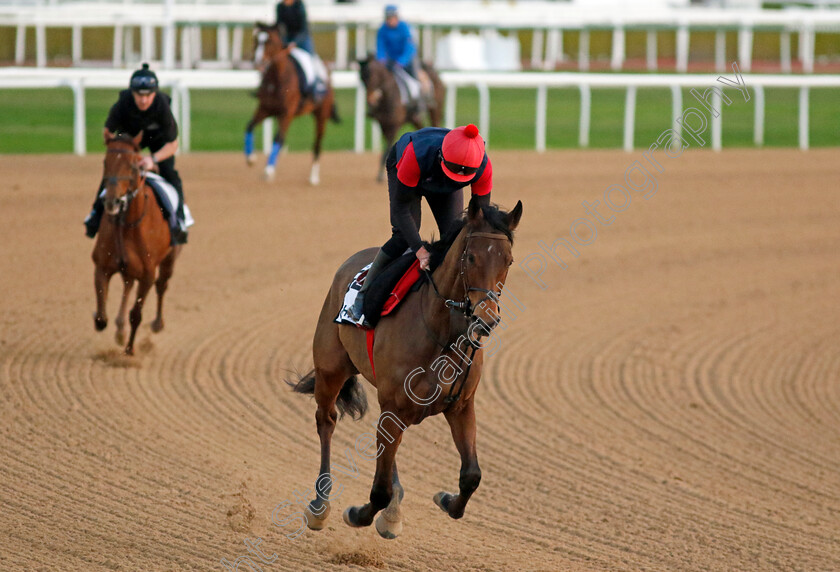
(137, 139)
(514, 216)
(474, 213)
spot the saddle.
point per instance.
(389, 289)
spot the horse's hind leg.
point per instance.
(259, 116)
(167, 267)
(128, 283)
(101, 278)
(136, 315)
(389, 522)
(322, 115)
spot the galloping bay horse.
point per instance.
(280, 96)
(428, 334)
(133, 239)
(385, 104)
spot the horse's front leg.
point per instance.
(462, 424)
(381, 493)
(259, 116)
(136, 314)
(101, 278)
(120, 321)
(283, 123)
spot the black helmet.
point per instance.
(144, 80)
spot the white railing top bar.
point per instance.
(248, 79)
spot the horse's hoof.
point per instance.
(388, 530)
(120, 337)
(349, 519)
(389, 522)
(157, 326)
(251, 159)
(129, 351)
(314, 521)
(443, 499)
(268, 174)
(99, 323)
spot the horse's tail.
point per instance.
(351, 399)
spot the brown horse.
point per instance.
(134, 239)
(385, 104)
(280, 96)
(433, 331)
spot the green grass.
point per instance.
(42, 120)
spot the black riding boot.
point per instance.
(381, 261)
(94, 219)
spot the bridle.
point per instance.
(125, 200)
(466, 306)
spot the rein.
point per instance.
(464, 307)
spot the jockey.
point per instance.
(143, 108)
(434, 163)
(291, 14)
(394, 44)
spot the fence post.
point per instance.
(542, 104)
(758, 132)
(683, 43)
(745, 46)
(451, 95)
(720, 51)
(484, 111)
(717, 121)
(186, 116)
(618, 48)
(585, 111)
(359, 120)
(652, 56)
(79, 121)
(676, 108)
(583, 50)
(803, 118)
(629, 117)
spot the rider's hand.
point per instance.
(147, 163)
(423, 256)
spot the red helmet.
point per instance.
(463, 152)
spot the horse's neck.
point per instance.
(447, 276)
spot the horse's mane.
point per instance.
(495, 217)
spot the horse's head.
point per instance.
(268, 43)
(373, 75)
(122, 175)
(486, 241)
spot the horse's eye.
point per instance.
(471, 258)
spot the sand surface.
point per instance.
(670, 401)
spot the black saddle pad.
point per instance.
(378, 292)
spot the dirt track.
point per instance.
(668, 402)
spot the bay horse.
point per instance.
(385, 105)
(432, 331)
(280, 96)
(133, 239)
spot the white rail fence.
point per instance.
(182, 81)
(549, 20)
